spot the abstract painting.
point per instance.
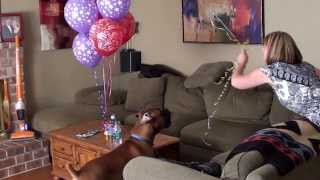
(223, 21)
(55, 32)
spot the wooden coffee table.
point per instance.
(66, 148)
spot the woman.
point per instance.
(297, 85)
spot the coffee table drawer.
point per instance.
(60, 163)
(62, 156)
(62, 147)
(83, 156)
(59, 167)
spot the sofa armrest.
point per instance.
(265, 172)
(89, 96)
(308, 170)
(221, 158)
(144, 168)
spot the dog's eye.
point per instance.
(147, 114)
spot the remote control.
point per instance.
(88, 133)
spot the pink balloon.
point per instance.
(129, 25)
(106, 36)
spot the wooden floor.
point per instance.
(39, 174)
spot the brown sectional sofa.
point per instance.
(190, 100)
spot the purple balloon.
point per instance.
(81, 14)
(114, 9)
(84, 52)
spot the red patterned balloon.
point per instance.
(106, 36)
(129, 25)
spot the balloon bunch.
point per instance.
(103, 27)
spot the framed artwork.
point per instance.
(55, 32)
(11, 25)
(223, 21)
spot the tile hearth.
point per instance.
(21, 156)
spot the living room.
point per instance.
(52, 78)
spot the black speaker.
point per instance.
(130, 60)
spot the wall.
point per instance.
(160, 37)
(52, 77)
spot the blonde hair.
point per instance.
(282, 48)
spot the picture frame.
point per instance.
(11, 25)
(223, 21)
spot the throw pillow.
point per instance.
(90, 95)
(178, 122)
(145, 92)
(206, 74)
(182, 100)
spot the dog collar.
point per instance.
(142, 139)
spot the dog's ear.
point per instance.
(167, 118)
(138, 115)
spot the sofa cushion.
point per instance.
(145, 92)
(249, 106)
(146, 168)
(190, 153)
(131, 119)
(223, 135)
(122, 81)
(120, 112)
(279, 113)
(179, 121)
(90, 96)
(206, 74)
(182, 100)
(49, 119)
(242, 164)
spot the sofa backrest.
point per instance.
(122, 81)
(119, 87)
(240, 106)
(257, 105)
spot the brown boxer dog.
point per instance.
(111, 165)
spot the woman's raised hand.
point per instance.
(242, 58)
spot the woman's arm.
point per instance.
(318, 72)
(250, 80)
(240, 80)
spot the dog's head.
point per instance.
(157, 118)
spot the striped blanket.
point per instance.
(285, 145)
